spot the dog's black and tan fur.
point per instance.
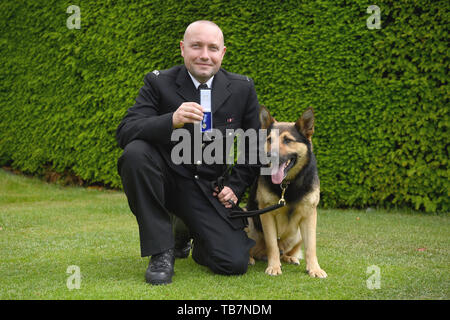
(279, 234)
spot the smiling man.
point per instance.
(203, 49)
(155, 186)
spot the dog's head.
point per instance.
(290, 143)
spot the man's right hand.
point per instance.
(187, 112)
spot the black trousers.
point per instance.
(154, 191)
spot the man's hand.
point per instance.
(187, 112)
(225, 195)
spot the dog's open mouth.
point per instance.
(280, 172)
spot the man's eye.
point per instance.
(287, 140)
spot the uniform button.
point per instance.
(196, 177)
(199, 162)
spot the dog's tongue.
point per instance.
(278, 174)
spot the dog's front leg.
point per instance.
(270, 236)
(308, 229)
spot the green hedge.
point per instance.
(380, 96)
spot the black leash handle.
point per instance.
(219, 184)
(247, 214)
(240, 213)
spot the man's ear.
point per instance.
(182, 48)
(305, 124)
(224, 50)
(265, 118)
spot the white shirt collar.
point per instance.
(197, 83)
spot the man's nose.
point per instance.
(204, 54)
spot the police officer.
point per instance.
(155, 186)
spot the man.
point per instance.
(155, 186)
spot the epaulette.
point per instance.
(236, 76)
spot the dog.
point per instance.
(279, 233)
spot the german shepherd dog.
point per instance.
(279, 233)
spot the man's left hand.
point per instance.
(225, 195)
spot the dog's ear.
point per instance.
(305, 124)
(265, 117)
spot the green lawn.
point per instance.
(45, 228)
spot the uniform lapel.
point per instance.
(186, 88)
(220, 90)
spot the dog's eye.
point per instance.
(287, 140)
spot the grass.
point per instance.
(45, 228)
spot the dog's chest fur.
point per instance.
(287, 218)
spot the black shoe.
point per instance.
(182, 250)
(160, 268)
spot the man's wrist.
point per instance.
(174, 124)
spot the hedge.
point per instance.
(380, 95)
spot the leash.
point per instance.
(238, 212)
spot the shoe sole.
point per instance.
(158, 282)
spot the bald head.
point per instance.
(201, 24)
(202, 49)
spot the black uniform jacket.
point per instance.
(234, 106)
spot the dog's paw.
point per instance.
(273, 270)
(290, 259)
(251, 261)
(317, 273)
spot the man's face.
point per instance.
(203, 50)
